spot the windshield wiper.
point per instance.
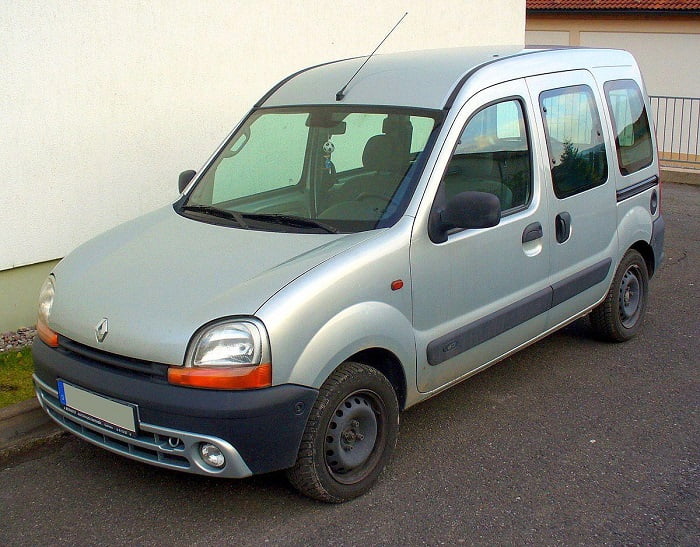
(291, 220)
(216, 212)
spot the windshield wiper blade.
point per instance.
(216, 212)
(291, 220)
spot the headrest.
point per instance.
(397, 125)
(382, 153)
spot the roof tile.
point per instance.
(610, 5)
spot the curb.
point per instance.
(24, 422)
(680, 175)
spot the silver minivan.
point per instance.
(355, 246)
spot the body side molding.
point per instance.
(469, 336)
(638, 188)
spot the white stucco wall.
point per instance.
(104, 102)
(663, 58)
(547, 37)
(661, 47)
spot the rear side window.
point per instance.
(630, 124)
(574, 139)
(493, 155)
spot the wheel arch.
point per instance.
(389, 365)
(372, 333)
(635, 231)
(644, 249)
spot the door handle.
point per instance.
(532, 232)
(563, 227)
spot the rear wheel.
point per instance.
(349, 437)
(619, 316)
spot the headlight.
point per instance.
(232, 354)
(225, 344)
(46, 299)
(46, 296)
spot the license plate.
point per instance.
(104, 412)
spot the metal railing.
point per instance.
(677, 121)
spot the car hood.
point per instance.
(160, 277)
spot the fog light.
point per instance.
(212, 455)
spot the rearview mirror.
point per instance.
(326, 120)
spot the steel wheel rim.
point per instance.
(354, 437)
(630, 299)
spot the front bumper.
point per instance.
(257, 430)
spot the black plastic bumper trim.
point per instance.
(658, 232)
(264, 425)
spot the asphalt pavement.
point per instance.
(571, 441)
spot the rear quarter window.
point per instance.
(630, 125)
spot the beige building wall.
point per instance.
(663, 46)
(103, 103)
(20, 291)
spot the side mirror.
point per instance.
(465, 210)
(185, 178)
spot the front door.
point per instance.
(483, 292)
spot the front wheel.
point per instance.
(619, 316)
(349, 437)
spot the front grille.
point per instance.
(95, 357)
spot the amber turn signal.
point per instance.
(46, 335)
(222, 377)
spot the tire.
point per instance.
(349, 437)
(619, 317)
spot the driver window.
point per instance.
(493, 155)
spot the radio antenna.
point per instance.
(341, 94)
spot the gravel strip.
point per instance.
(18, 339)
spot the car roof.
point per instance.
(429, 78)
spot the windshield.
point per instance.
(318, 169)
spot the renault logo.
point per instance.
(101, 330)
